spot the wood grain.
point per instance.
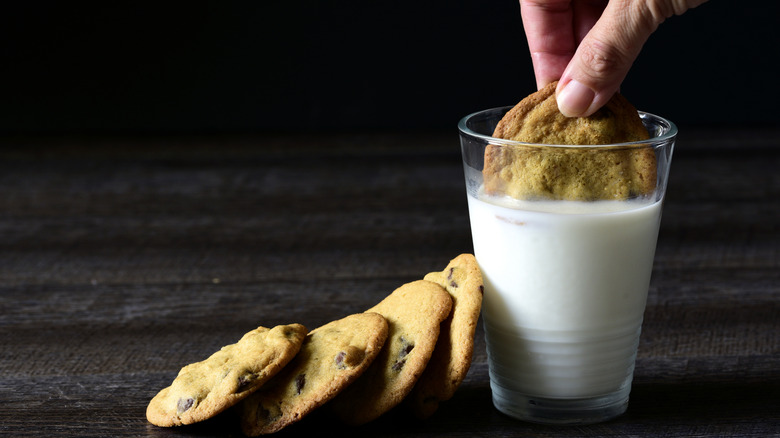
(123, 259)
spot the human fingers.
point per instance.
(606, 53)
(551, 41)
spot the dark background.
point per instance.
(329, 65)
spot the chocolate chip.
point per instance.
(406, 348)
(265, 415)
(262, 414)
(184, 404)
(453, 283)
(300, 381)
(340, 359)
(350, 357)
(245, 380)
(482, 289)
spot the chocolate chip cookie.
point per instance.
(414, 312)
(331, 358)
(451, 358)
(572, 173)
(202, 390)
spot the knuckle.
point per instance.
(601, 59)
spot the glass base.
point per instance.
(571, 411)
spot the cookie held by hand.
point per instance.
(572, 173)
(204, 389)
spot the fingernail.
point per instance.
(575, 99)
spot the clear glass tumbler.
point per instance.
(566, 277)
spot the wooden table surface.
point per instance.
(124, 258)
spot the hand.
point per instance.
(589, 45)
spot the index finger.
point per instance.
(549, 30)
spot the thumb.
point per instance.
(603, 58)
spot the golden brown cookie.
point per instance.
(451, 358)
(202, 390)
(536, 119)
(573, 173)
(414, 312)
(332, 357)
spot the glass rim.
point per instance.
(669, 133)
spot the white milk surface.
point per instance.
(565, 291)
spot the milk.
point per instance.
(565, 290)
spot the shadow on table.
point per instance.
(711, 402)
(668, 409)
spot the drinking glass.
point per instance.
(565, 278)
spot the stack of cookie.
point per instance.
(415, 346)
